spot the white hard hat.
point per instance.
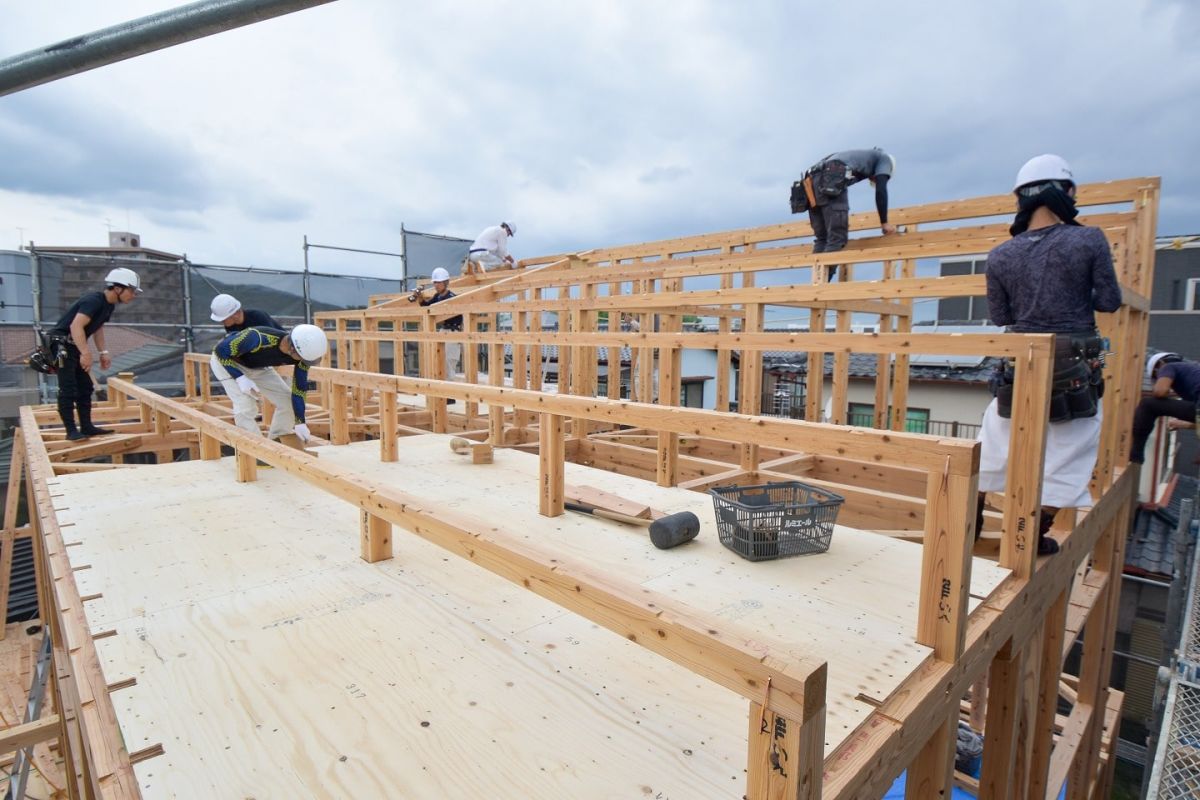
(224, 306)
(1047, 167)
(123, 276)
(1159, 358)
(512, 229)
(440, 274)
(309, 342)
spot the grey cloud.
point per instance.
(109, 158)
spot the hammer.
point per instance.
(670, 530)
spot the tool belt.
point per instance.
(51, 353)
(820, 184)
(1078, 382)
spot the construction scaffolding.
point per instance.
(556, 655)
(1175, 771)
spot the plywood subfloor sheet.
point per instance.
(272, 661)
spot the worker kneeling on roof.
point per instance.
(1051, 277)
(247, 356)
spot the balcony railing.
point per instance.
(792, 406)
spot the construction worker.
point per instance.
(441, 291)
(227, 310)
(85, 320)
(1051, 277)
(1171, 375)
(247, 357)
(822, 192)
(490, 248)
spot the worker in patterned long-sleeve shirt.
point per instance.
(248, 356)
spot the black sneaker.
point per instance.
(1047, 546)
(75, 436)
(94, 431)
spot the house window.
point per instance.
(691, 393)
(961, 309)
(1191, 301)
(862, 415)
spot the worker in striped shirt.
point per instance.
(248, 356)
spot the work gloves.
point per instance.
(302, 431)
(246, 385)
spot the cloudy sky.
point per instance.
(585, 123)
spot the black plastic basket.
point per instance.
(775, 520)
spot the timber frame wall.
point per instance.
(1007, 654)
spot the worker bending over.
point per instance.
(248, 356)
(1171, 375)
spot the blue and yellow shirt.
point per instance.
(258, 347)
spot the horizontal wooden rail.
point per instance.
(955, 456)
(999, 345)
(705, 646)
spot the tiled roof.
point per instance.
(863, 365)
(1150, 545)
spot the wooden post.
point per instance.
(750, 394)
(841, 362)
(339, 415)
(1026, 455)
(496, 378)
(942, 614)
(668, 458)
(1042, 727)
(785, 757)
(900, 372)
(376, 537)
(470, 357)
(389, 449)
(551, 460)
(1003, 719)
(247, 467)
(210, 447)
(724, 354)
(189, 380)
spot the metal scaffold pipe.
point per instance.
(137, 37)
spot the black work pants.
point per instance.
(74, 382)
(831, 227)
(1147, 413)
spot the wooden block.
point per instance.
(481, 453)
(598, 498)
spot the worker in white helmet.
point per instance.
(248, 356)
(227, 310)
(822, 193)
(69, 339)
(490, 249)
(1051, 277)
(1171, 375)
(441, 293)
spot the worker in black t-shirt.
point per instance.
(85, 320)
(227, 310)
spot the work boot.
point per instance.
(1047, 546)
(85, 419)
(66, 412)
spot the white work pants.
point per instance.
(245, 407)
(1071, 449)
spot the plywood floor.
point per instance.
(273, 662)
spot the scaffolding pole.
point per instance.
(138, 37)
